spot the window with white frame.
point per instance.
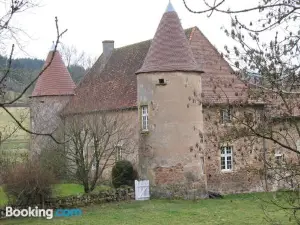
(298, 145)
(118, 153)
(144, 110)
(226, 115)
(226, 158)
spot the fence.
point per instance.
(142, 191)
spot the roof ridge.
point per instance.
(133, 44)
(185, 30)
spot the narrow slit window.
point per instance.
(119, 153)
(144, 118)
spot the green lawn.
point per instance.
(59, 190)
(73, 189)
(3, 198)
(232, 210)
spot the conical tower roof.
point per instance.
(169, 50)
(56, 79)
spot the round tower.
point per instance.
(52, 92)
(171, 118)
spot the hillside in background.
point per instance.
(24, 71)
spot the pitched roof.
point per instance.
(114, 85)
(219, 82)
(56, 79)
(169, 50)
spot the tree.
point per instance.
(7, 33)
(95, 142)
(78, 63)
(265, 57)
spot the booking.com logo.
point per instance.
(36, 212)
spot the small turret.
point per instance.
(52, 92)
(56, 79)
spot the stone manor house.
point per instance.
(156, 84)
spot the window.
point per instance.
(202, 165)
(298, 145)
(118, 153)
(278, 157)
(226, 158)
(144, 110)
(161, 81)
(226, 115)
(94, 165)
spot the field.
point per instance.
(14, 141)
(232, 210)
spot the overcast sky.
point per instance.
(89, 22)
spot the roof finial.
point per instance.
(170, 7)
(52, 47)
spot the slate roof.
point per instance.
(56, 79)
(169, 50)
(115, 85)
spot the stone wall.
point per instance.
(121, 194)
(187, 191)
(45, 119)
(169, 175)
(117, 195)
(245, 175)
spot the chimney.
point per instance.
(108, 47)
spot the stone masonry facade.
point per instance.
(163, 88)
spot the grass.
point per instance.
(232, 210)
(61, 190)
(3, 197)
(74, 189)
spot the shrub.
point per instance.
(123, 174)
(28, 184)
(8, 159)
(54, 160)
